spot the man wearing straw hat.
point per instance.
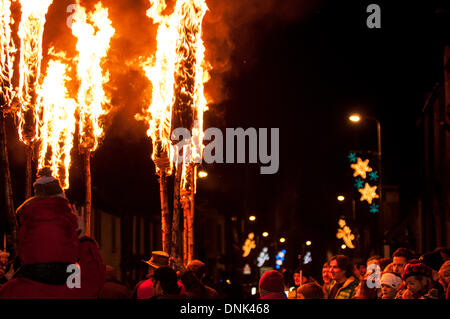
(144, 289)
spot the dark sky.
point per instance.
(301, 66)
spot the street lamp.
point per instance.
(252, 218)
(265, 234)
(355, 118)
(282, 240)
(202, 174)
(308, 243)
(341, 198)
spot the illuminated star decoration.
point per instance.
(345, 233)
(374, 208)
(359, 183)
(361, 168)
(263, 256)
(373, 175)
(280, 258)
(352, 157)
(248, 245)
(368, 193)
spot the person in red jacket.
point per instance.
(49, 249)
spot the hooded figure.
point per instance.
(47, 225)
(50, 251)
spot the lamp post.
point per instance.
(342, 198)
(356, 118)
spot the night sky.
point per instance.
(301, 66)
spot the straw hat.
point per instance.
(159, 259)
(4, 253)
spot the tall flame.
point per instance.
(7, 50)
(177, 72)
(57, 126)
(31, 30)
(92, 46)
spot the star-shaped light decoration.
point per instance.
(361, 168)
(368, 193)
(359, 183)
(345, 233)
(374, 208)
(352, 157)
(373, 175)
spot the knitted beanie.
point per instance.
(47, 185)
(271, 281)
(417, 268)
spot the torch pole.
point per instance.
(175, 249)
(6, 177)
(185, 231)
(165, 217)
(191, 216)
(187, 199)
(29, 172)
(88, 199)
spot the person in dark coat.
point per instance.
(113, 288)
(165, 284)
(198, 268)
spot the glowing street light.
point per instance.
(265, 234)
(202, 174)
(340, 198)
(282, 240)
(355, 118)
(343, 246)
(252, 218)
(308, 243)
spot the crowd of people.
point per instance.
(404, 276)
(50, 241)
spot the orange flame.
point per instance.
(31, 30)
(57, 126)
(7, 50)
(92, 46)
(177, 73)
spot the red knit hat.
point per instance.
(271, 282)
(417, 268)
